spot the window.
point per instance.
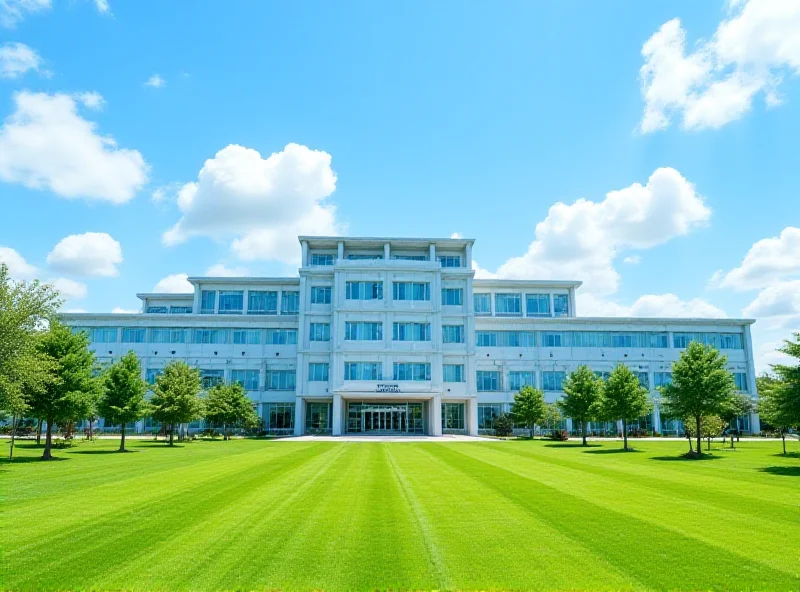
(561, 305)
(281, 337)
(411, 291)
(208, 300)
(452, 333)
(318, 372)
(157, 309)
(280, 380)
(364, 291)
(449, 260)
(130, 335)
(516, 380)
(262, 302)
(488, 380)
(411, 332)
(590, 339)
(553, 380)
(319, 331)
(167, 335)
(453, 372)
(681, 340)
(410, 257)
(320, 294)
(508, 305)
(659, 340)
(363, 371)
(318, 417)
(247, 378)
(731, 341)
(505, 338)
(662, 379)
(211, 378)
(247, 336)
(452, 417)
(487, 414)
(231, 302)
(180, 310)
(151, 374)
(555, 339)
(418, 371)
(323, 259)
(209, 336)
(104, 335)
(483, 304)
(364, 256)
(644, 379)
(604, 375)
(290, 302)
(537, 305)
(452, 296)
(740, 378)
(279, 417)
(363, 331)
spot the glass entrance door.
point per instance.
(385, 418)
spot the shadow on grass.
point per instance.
(572, 445)
(784, 471)
(29, 459)
(687, 458)
(115, 451)
(788, 455)
(612, 451)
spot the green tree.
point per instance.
(73, 393)
(782, 404)
(176, 396)
(737, 405)
(504, 425)
(711, 427)
(625, 399)
(123, 393)
(529, 407)
(583, 397)
(701, 386)
(229, 406)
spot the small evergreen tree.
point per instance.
(529, 407)
(228, 405)
(583, 397)
(123, 394)
(176, 396)
(625, 399)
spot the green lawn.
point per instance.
(344, 516)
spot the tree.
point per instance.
(625, 399)
(700, 386)
(73, 393)
(782, 404)
(176, 397)
(504, 425)
(529, 407)
(583, 396)
(228, 405)
(710, 427)
(737, 405)
(123, 393)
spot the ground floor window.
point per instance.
(487, 414)
(365, 417)
(318, 417)
(741, 424)
(673, 427)
(278, 417)
(644, 423)
(452, 417)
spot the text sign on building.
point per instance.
(387, 388)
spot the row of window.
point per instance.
(611, 339)
(258, 302)
(373, 290)
(327, 259)
(510, 305)
(196, 336)
(169, 309)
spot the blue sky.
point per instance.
(410, 119)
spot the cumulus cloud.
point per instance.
(633, 260)
(262, 203)
(581, 240)
(88, 254)
(69, 289)
(18, 268)
(220, 270)
(176, 283)
(120, 310)
(155, 81)
(13, 11)
(456, 235)
(102, 6)
(650, 305)
(481, 273)
(778, 305)
(768, 261)
(46, 144)
(751, 50)
(16, 59)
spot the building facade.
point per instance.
(396, 336)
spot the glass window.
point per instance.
(505, 338)
(590, 339)
(662, 379)
(280, 380)
(740, 379)
(131, 335)
(364, 256)
(553, 380)
(518, 379)
(561, 305)
(363, 371)
(151, 374)
(411, 291)
(537, 305)
(452, 333)
(281, 337)
(452, 417)
(247, 378)
(452, 296)
(508, 305)
(320, 294)
(290, 303)
(231, 302)
(605, 375)
(318, 372)
(157, 309)
(453, 372)
(410, 257)
(319, 331)
(483, 304)
(278, 416)
(103, 335)
(449, 260)
(158, 335)
(322, 259)
(208, 300)
(180, 310)
(209, 336)
(555, 339)
(487, 414)
(731, 341)
(418, 371)
(210, 378)
(644, 379)
(659, 340)
(364, 291)
(363, 331)
(262, 302)
(411, 332)
(318, 417)
(246, 336)
(488, 380)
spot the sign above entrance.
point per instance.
(387, 388)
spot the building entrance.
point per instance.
(385, 418)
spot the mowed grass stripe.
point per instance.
(667, 561)
(488, 542)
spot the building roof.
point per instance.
(379, 241)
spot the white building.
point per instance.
(393, 335)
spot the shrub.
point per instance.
(504, 425)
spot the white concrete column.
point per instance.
(299, 416)
(472, 416)
(304, 249)
(340, 250)
(656, 419)
(433, 252)
(336, 421)
(436, 415)
(572, 312)
(469, 256)
(755, 423)
(387, 253)
(751, 368)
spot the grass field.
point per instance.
(344, 516)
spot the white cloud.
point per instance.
(174, 284)
(481, 273)
(777, 305)
(768, 261)
(120, 310)
(649, 305)
(155, 81)
(88, 254)
(91, 100)
(633, 260)
(767, 354)
(716, 83)
(164, 192)
(18, 268)
(456, 235)
(13, 11)
(75, 310)
(581, 240)
(262, 203)
(102, 6)
(219, 270)
(46, 144)
(16, 59)
(69, 289)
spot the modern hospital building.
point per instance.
(396, 336)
